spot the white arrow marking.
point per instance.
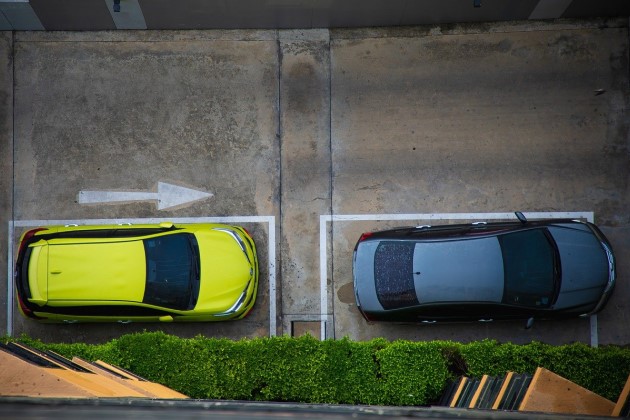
(167, 196)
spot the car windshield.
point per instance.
(528, 263)
(393, 274)
(172, 271)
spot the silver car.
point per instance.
(483, 271)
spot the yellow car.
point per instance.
(161, 272)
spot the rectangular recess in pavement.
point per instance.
(323, 245)
(271, 228)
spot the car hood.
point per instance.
(584, 267)
(225, 271)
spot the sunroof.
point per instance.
(393, 274)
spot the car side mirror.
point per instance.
(521, 217)
(529, 323)
(166, 318)
(166, 225)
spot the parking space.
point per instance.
(105, 112)
(607, 327)
(260, 322)
(350, 322)
(293, 131)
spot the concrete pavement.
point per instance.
(498, 120)
(298, 124)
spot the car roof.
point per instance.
(79, 271)
(459, 271)
(121, 276)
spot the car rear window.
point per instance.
(172, 271)
(23, 280)
(393, 274)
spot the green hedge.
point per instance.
(341, 371)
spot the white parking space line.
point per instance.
(325, 316)
(10, 280)
(594, 334)
(271, 231)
